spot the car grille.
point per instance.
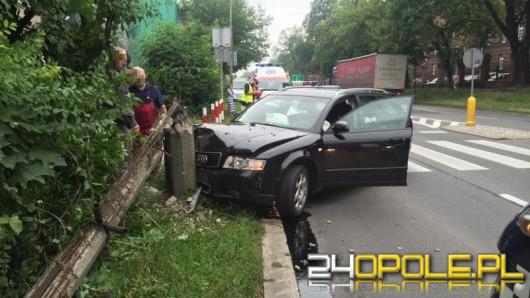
(208, 159)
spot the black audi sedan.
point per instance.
(299, 141)
(515, 243)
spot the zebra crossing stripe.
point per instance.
(416, 168)
(498, 158)
(450, 161)
(504, 147)
(514, 199)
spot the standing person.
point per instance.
(127, 124)
(257, 91)
(119, 66)
(248, 93)
(152, 102)
(230, 99)
(456, 81)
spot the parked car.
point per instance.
(238, 87)
(298, 141)
(432, 82)
(494, 76)
(469, 77)
(515, 243)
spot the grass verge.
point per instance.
(506, 100)
(213, 252)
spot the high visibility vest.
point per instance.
(248, 98)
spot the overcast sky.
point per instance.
(285, 14)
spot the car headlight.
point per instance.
(523, 221)
(241, 163)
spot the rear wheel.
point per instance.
(294, 191)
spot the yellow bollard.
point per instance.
(471, 104)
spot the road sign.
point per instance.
(225, 52)
(473, 58)
(221, 36)
(297, 77)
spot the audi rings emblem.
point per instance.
(202, 159)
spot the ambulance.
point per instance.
(271, 77)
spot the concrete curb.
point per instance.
(278, 273)
(490, 132)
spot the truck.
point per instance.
(383, 71)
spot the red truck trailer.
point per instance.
(384, 71)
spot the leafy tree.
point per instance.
(77, 32)
(248, 25)
(295, 51)
(516, 14)
(59, 144)
(445, 26)
(320, 11)
(179, 60)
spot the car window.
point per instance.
(296, 112)
(364, 99)
(339, 109)
(271, 84)
(239, 84)
(384, 114)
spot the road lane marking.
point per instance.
(450, 161)
(434, 123)
(431, 131)
(504, 147)
(416, 168)
(514, 199)
(498, 158)
(485, 117)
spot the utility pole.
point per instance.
(221, 59)
(231, 47)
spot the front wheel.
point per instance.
(294, 191)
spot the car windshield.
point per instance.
(295, 112)
(271, 85)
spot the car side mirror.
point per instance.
(341, 126)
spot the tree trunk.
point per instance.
(516, 58)
(524, 64)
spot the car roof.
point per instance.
(328, 92)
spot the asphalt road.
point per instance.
(459, 198)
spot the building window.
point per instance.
(434, 69)
(503, 39)
(501, 62)
(520, 32)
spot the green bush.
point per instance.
(59, 147)
(180, 61)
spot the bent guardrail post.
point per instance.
(64, 274)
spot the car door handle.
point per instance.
(397, 141)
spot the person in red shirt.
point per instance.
(152, 102)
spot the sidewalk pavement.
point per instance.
(490, 132)
(278, 272)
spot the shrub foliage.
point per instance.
(59, 147)
(181, 62)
